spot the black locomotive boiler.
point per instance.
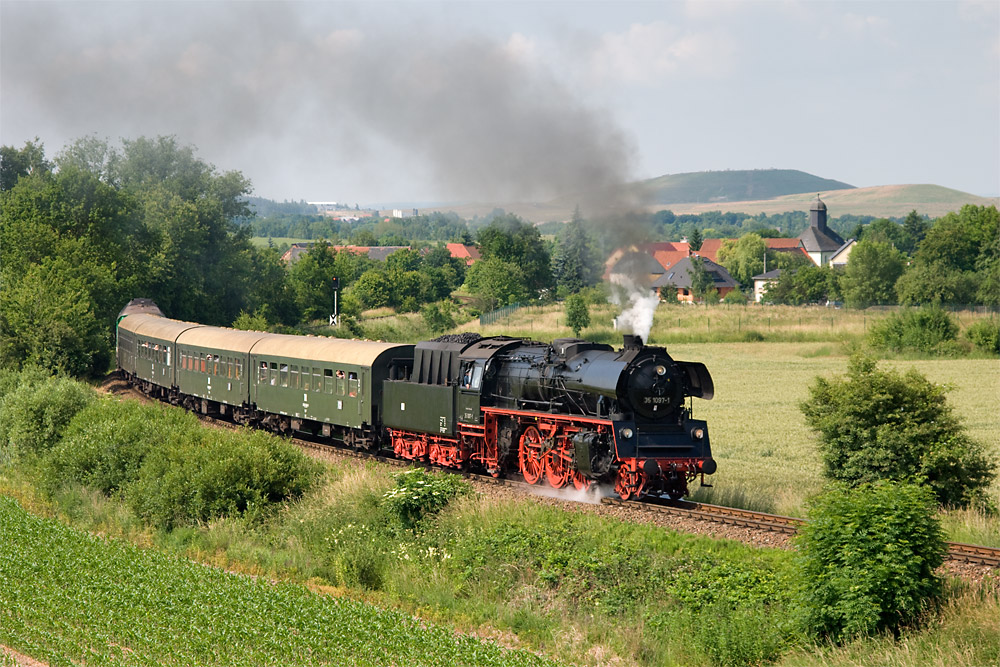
(570, 412)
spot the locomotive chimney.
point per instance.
(633, 342)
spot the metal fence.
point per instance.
(498, 314)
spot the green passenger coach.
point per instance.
(324, 383)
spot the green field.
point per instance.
(262, 241)
(67, 597)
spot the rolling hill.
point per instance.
(755, 191)
(720, 187)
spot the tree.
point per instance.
(695, 240)
(311, 280)
(577, 313)
(867, 559)
(871, 274)
(744, 258)
(497, 283)
(957, 260)
(808, 284)
(511, 240)
(875, 424)
(702, 285)
(15, 163)
(575, 263)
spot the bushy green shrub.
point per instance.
(419, 493)
(876, 424)
(867, 559)
(219, 474)
(985, 335)
(927, 330)
(34, 414)
(106, 443)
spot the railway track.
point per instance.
(774, 523)
(957, 551)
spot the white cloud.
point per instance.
(648, 52)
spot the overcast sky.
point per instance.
(383, 102)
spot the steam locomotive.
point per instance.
(573, 412)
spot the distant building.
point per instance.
(762, 282)
(467, 253)
(820, 242)
(676, 281)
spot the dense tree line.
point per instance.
(101, 224)
(292, 221)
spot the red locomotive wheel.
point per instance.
(629, 483)
(579, 481)
(529, 455)
(557, 469)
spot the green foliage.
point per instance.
(577, 313)
(958, 261)
(744, 258)
(868, 558)
(702, 284)
(876, 424)
(419, 494)
(575, 261)
(34, 415)
(71, 598)
(438, 317)
(252, 322)
(497, 283)
(107, 442)
(219, 474)
(924, 330)
(514, 242)
(871, 274)
(985, 335)
(735, 298)
(807, 284)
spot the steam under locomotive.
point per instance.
(573, 412)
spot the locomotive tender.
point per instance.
(573, 412)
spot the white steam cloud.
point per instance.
(638, 301)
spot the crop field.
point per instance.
(767, 455)
(67, 597)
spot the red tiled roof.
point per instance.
(469, 253)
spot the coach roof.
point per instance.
(154, 326)
(330, 350)
(219, 338)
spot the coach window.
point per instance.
(328, 381)
(274, 373)
(306, 378)
(239, 369)
(201, 361)
(262, 379)
(293, 381)
(215, 362)
(284, 375)
(341, 383)
(353, 384)
(317, 379)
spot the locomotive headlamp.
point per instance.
(627, 433)
(698, 433)
(661, 370)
